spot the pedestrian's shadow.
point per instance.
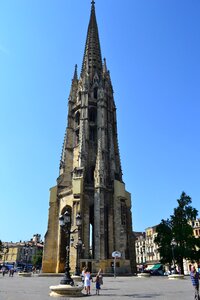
(109, 289)
(137, 296)
(146, 296)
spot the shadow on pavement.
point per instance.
(138, 296)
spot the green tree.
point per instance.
(163, 239)
(178, 229)
(37, 259)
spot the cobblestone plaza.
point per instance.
(37, 288)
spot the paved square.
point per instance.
(122, 288)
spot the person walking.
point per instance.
(100, 274)
(87, 280)
(3, 270)
(11, 272)
(97, 282)
(194, 275)
(83, 275)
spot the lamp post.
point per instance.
(5, 251)
(173, 244)
(27, 249)
(79, 247)
(65, 223)
(142, 251)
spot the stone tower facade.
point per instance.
(90, 177)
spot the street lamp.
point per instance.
(27, 249)
(79, 247)
(173, 244)
(142, 251)
(5, 251)
(65, 224)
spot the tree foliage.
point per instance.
(37, 259)
(178, 229)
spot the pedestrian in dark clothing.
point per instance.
(3, 271)
(194, 275)
(97, 282)
(100, 274)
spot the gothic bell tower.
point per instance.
(90, 175)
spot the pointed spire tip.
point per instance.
(75, 73)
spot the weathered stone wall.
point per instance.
(49, 262)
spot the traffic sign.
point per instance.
(116, 254)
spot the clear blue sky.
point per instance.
(152, 49)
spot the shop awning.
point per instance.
(156, 266)
(149, 267)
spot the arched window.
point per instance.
(95, 92)
(92, 115)
(92, 173)
(92, 133)
(76, 137)
(79, 96)
(77, 118)
(123, 212)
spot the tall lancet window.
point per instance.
(92, 115)
(79, 96)
(95, 92)
(77, 119)
(123, 212)
(76, 137)
(93, 134)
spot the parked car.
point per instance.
(156, 272)
(18, 269)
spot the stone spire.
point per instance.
(90, 177)
(92, 61)
(104, 66)
(67, 144)
(75, 73)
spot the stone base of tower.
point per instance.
(123, 266)
(49, 261)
